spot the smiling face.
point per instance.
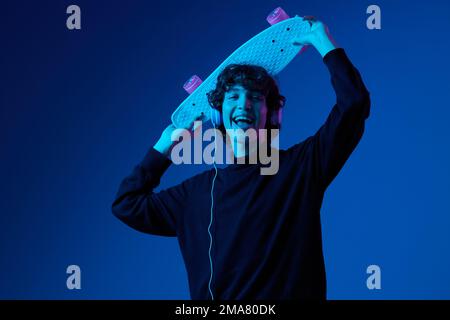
(244, 109)
(246, 95)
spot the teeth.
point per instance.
(242, 118)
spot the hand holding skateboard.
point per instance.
(271, 49)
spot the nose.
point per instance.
(245, 104)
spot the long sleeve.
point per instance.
(140, 208)
(334, 142)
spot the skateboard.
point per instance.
(271, 49)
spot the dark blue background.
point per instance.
(80, 108)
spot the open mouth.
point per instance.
(243, 121)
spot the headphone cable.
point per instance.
(212, 205)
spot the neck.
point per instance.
(243, 152)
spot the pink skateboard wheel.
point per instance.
(192, 84)
(276, 16)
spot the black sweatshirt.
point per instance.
(267, 241)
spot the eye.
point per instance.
(233, 97)
(257, 97)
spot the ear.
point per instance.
(217, 107)
(276, 117)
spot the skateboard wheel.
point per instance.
(276, 16)
(192, 84)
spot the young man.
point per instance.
(266, 228)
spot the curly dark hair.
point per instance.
(252, 78)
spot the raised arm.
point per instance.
(144, 210)
(333, 143)
(139, 207)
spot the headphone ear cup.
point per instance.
(276, 117)
(216, 117)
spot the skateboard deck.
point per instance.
(271, 49)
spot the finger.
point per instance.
(311, 20)
(298, 41)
